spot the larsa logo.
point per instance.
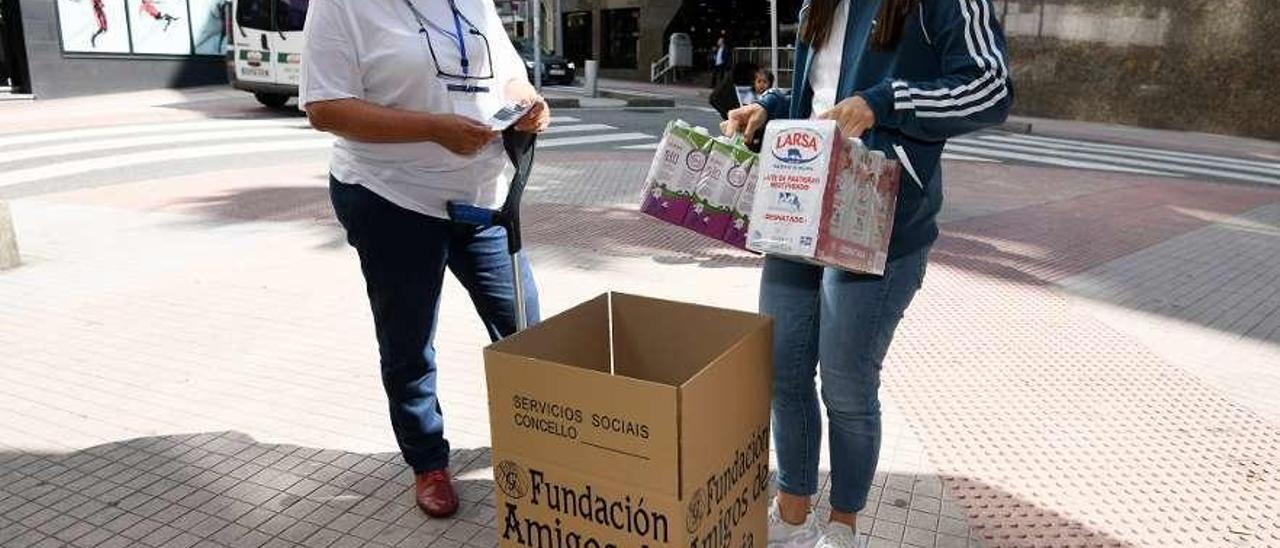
(797, 146)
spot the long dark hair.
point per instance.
(888, 30)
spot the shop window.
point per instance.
(578, 31)
(620, 36)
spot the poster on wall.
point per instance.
(208, 27)
(160, 27)
(93, 26)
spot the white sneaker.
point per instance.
(786, 535)
(839, 535)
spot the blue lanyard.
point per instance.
(457, 28)
(462, 44)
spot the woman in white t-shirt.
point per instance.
(406, 85)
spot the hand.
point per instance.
(853, 115)
(536, 120)
(462, 135)
(745, 120)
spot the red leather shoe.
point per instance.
(435, 493)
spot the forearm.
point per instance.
(360, 120)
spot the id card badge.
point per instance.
(475, 102)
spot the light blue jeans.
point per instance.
(845, 322)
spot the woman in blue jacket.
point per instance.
(905, 75)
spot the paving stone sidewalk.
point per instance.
(189, 362)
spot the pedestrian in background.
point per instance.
(764, 81)
(904, 75)
(720, 60)
(407, 85)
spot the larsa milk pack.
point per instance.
(823, 199)
(801, 159)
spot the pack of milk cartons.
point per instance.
(858, 214)
(702, 183)
(675, 172)
(725, 179)
(822, 198)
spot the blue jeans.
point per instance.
(404, 255)
(845, 322)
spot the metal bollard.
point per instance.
(9, 257)
(593, 73)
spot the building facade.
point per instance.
(66, 48)
(628, 36)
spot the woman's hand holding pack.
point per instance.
(853, 115)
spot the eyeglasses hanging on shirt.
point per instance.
(470, 43)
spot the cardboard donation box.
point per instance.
(822, 198)
(632, 422)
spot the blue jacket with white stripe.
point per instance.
(947, 76)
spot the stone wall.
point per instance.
(1199, 65)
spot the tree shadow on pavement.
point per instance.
(228, 489)
(269, 204)
(214, 104)
(604, 233)
(599, 234)
(264, 204)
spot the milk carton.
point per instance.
(740, 224)
(676, 170)
(800, 160)
(859, 211)
(723, 179)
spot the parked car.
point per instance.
(556, 70)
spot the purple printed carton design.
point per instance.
(675, 172)
(723, 180)
(740, 224)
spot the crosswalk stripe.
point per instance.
(646, 146)
(172, 127)
(1148, 154)
(578, 128)
(967, 158)
(1048, 160)
(64, 169)
(592, 139)
(143, 129)
(154, 140)
(1043, 153)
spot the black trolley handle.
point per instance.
(520, 148)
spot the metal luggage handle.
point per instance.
(520, 148)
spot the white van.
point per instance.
(266, 48)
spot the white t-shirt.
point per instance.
(824, 72)
(373, 50)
